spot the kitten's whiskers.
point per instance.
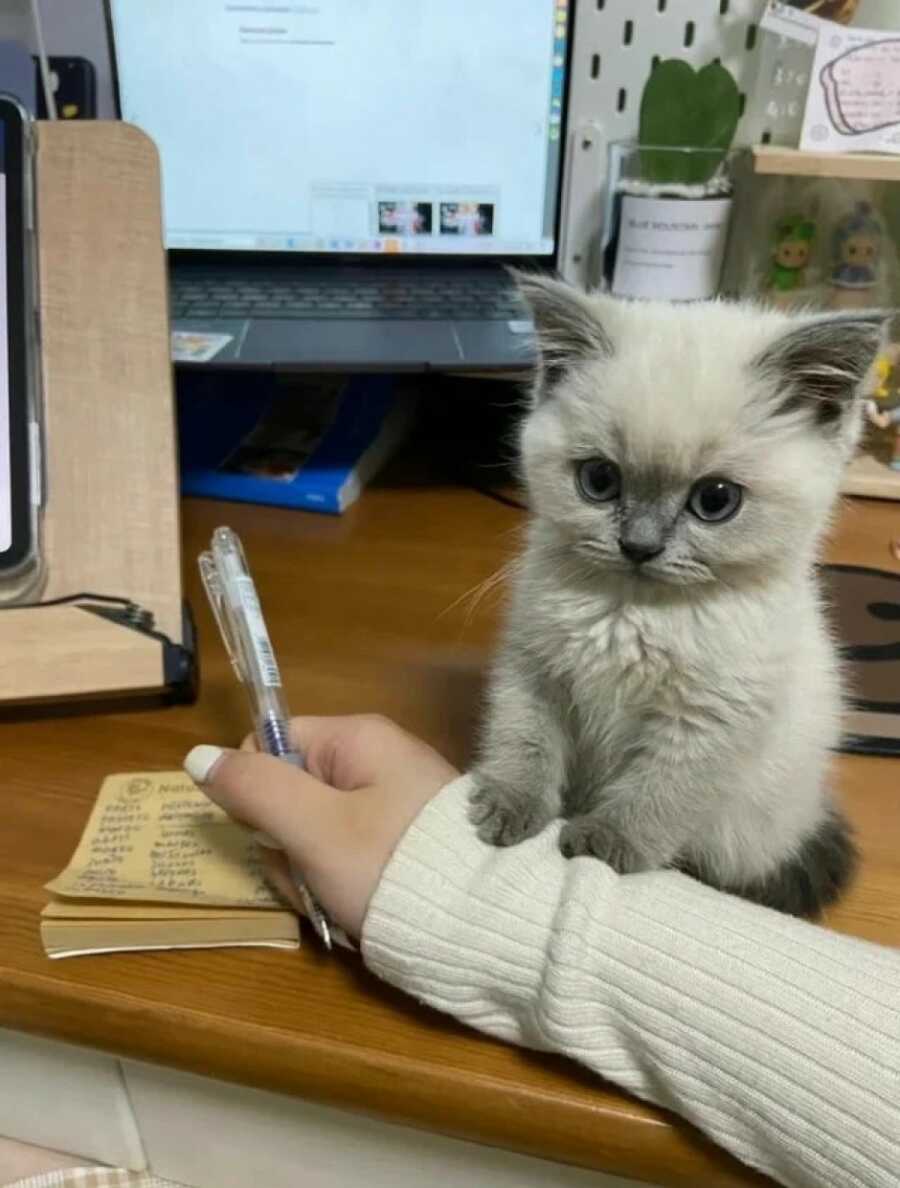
(475, 596)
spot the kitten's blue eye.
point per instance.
(599, 480)
(715, 500)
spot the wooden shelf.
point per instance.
(775, 159)
(870, 476)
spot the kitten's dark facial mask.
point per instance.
(646, 518)
(644, 523)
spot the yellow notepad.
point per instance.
(159, 866)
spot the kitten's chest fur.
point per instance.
(623, 668)
(603, 645)
(621, 647)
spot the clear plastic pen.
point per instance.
(235, 604)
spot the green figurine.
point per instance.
(793, 244)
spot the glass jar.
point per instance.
(666, 220)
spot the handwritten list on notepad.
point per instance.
(156, 837)
(854, 96)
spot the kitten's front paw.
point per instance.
(503, 817)
(587, 835)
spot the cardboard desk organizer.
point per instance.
(111, 525)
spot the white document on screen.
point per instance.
(335, 126)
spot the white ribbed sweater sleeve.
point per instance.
(779, 1039)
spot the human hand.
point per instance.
(339, 821)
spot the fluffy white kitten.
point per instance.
(666, 680)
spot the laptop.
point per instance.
(344, 180)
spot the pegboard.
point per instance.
(615, 42)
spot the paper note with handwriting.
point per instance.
(154, 836)
(853, 103)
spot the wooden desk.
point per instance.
(366, 614)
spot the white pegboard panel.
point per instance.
(615, 42)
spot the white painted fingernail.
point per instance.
(263, 839)
(200, 762)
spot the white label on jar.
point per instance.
(670, 248)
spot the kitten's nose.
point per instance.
(639, 551)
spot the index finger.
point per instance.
(306, 734)
(344, 752)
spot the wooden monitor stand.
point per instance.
(111, 522)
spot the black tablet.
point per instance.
(19, 367)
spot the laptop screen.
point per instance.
(371, 126)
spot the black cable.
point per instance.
(493, 493)
(132, 614)
(85, 596)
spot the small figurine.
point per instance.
(883, 409)
(793, 243)
(841, 11)
(857, 248)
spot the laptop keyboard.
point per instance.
(488, 297)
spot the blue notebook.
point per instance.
(313, 445)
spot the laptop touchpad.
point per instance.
(338, 343)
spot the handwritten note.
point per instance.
(155, 837)
(854, 96)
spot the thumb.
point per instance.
(285, 802)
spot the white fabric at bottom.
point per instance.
(93, 1177)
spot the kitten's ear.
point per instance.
(820, 364)
(566, 326)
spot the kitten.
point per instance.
(666, 680)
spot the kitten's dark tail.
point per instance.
(811, 879)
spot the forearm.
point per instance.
(778, 1039)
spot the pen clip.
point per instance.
(212, 584)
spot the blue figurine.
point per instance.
(856, 242)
